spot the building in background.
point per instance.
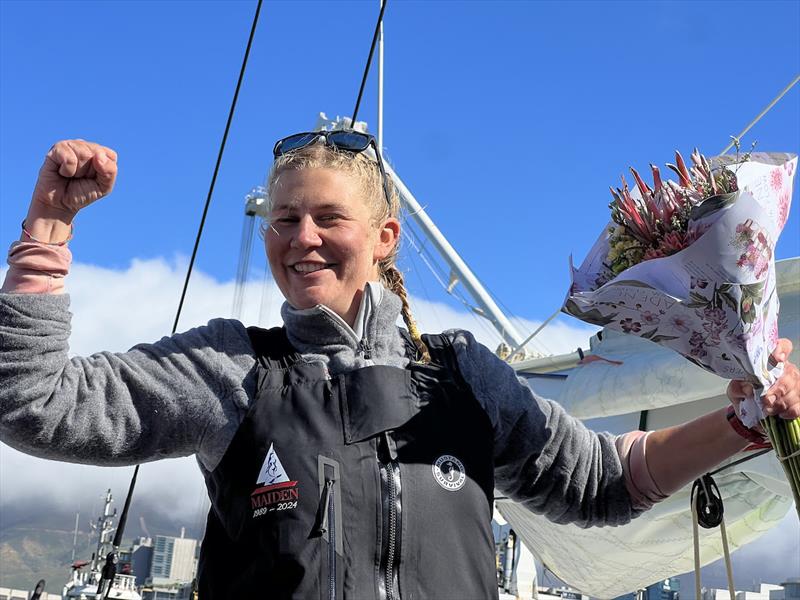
(136, 560)
(764, 592)
(789, 591)
(164, 566)
(667, 589)
(174, 559)
(175, 591)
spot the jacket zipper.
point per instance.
(361, 345)
(391, 505)
(331, 540)
(327, 524)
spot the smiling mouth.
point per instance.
(308, 267)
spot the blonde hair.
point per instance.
(365, 172)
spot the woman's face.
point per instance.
(322, 244)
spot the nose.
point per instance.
(306, 234)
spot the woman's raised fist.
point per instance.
(75, 173)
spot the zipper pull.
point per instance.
(387, 447)
(363, 347)
(322, 511)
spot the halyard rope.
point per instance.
(705, 491)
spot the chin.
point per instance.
(304, 301)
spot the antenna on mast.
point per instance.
(380, 82)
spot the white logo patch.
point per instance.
(449, 472)
(272, 470)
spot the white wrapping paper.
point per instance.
(714, 302)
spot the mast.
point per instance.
(459, 270)
(105, 527)
(75, 535)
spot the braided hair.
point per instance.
(365, 173)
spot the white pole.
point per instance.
(75, 535)
(380, 84)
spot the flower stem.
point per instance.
(785, 437)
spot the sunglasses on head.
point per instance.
(350, 141)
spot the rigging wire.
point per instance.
(418, 243)
(421, 246)
(243, 270)
(216, 167)
(534, 334)
(769, 106)
(108, 574)
(416, 269)
(369, 61)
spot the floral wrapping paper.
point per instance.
(714, 302)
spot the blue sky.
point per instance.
(508, 120)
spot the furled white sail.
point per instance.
(607, 562)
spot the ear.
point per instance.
(388, 235)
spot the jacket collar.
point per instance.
(374, 338)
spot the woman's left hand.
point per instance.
(783, 398)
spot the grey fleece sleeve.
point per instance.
(181, 395)
(544, 459)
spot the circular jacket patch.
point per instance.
(449, 473)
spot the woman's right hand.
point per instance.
(75, 173)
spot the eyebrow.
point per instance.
(292, 204)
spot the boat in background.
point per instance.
(85, 578)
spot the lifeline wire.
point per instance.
(124, 516)
(369, 62)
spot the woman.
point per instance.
(342, 459)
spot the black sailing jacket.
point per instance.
(376, 483)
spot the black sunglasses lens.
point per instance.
(349, 140)
(295, 142)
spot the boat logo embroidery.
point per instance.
(275, 490)
(449, 472)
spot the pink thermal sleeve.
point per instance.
(641, 486)
(36, 268)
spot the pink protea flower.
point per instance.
(655, 224)
(672, 242)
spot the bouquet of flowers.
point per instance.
(689, 264)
